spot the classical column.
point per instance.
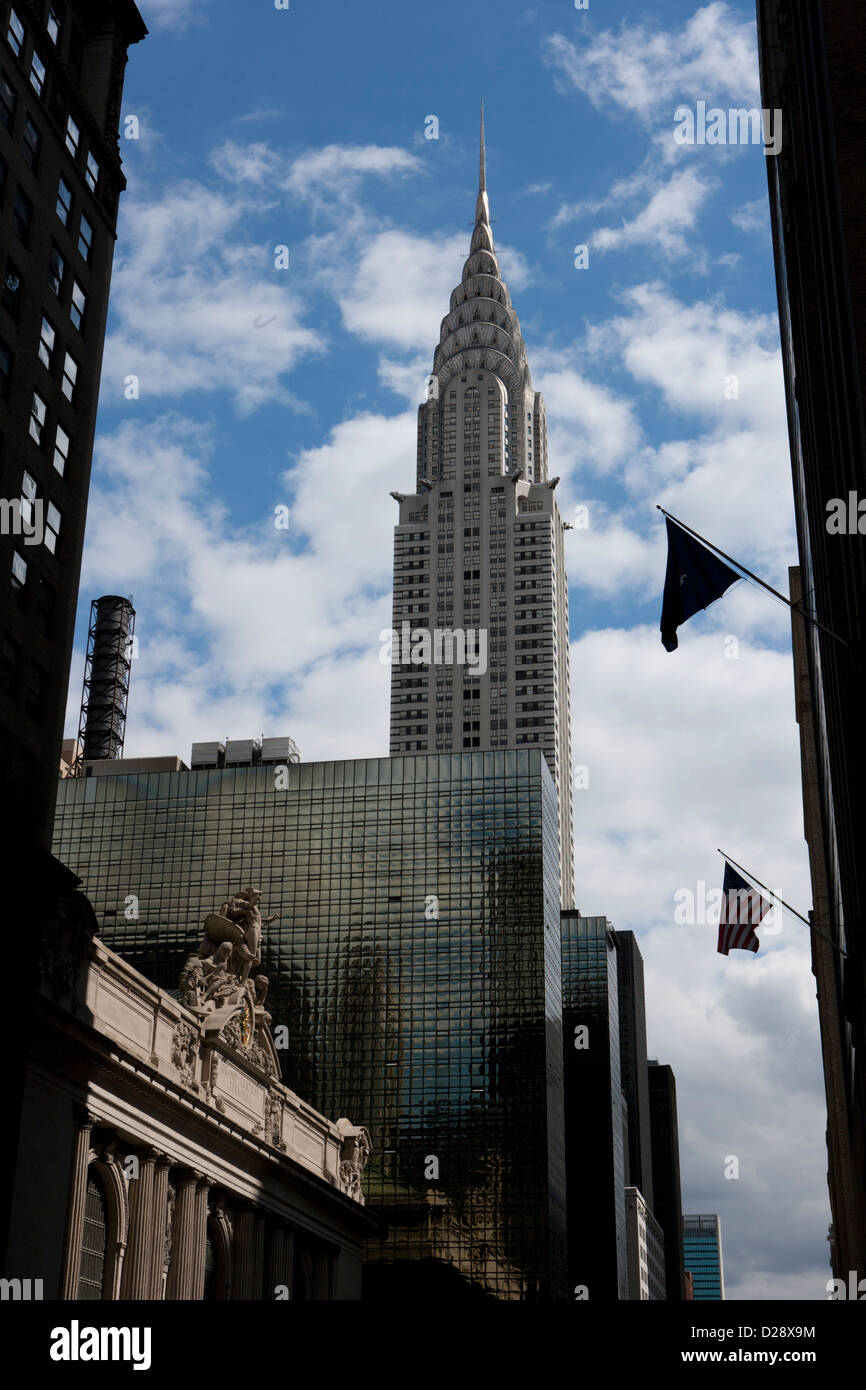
(183, 1270)
(77, 1199)
(202, 1193)
(243, 1254)
(281, 1255)
(158, 1222)
(138, 1261)
(322, 1258)
(258, 1256)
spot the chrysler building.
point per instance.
(480, 644)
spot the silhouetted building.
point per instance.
(415, 961)
(667, 1197)
(813, 70)
(61, 82)
(596, 1138)
(702, 1254)
(633, 1061)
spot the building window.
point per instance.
(77, 306)
(38, 412)
(45, 604)
(61, 450)
(15, 34)
(12, 289)
(64, 202)
(23, 215)
(52, 527)
(54, 23)
(94, 1237)
(91, 172)
(32, 143)
(4, 173)
(85, 238)
(46, 345)
(70, 376)
(56, 271)
(37, 74)
(19, 571)
(73, 136)
(8, 102)
(5, 369)
(28, 497)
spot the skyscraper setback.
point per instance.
(479, 547)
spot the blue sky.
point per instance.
(262, 387)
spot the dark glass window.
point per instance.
(37, 74)
(37, 418)
(93, 1241)
(4, 173)
(32, 144)
(78, 305)
(8, 101)
(10, 666)
(91, 172)
(64, 202)
(73, 135)
(85, 238)
(19, 571)
(11, 294)
(34, 691)
(5, 369)
(62, 446)
(70, 376)
(46, 344)
(54, 22)
(23, 215)
(15, 34)
(45, 605)
(56, 271)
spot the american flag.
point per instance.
(742, 909)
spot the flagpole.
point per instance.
(748, 573)
(775, 897)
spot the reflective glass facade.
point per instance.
(596, 1130)
(702, 1255)
(415, 962)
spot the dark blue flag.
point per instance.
(743, 908)
(695, 578)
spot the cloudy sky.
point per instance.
(263, 386)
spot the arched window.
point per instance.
(91, 1275)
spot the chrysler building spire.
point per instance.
(479, 549)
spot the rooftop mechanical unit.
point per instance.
(107, 669)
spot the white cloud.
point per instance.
(671, 212)
(646, 72)
(169, 14)
(753, 218)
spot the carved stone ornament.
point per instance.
(184, 1053)
(355, 1150)
(216, 983)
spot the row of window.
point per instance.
(16, 35)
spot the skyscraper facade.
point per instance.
(667, 1196)
(702, 1254)
(633, 1061)
(596, 1133)
(61, 81)
(812, 69)
(415, 963)
(479, 548)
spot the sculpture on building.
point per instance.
(215, 982)
(355, 1149)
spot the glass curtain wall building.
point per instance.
(702, 1254)
(596, 1131)
(414, 960)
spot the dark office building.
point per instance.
(668, 1202)
(415, 961)
(813, 68)
(596, 1137)
(702, 1253)
(61, 80)
(633, 1062)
